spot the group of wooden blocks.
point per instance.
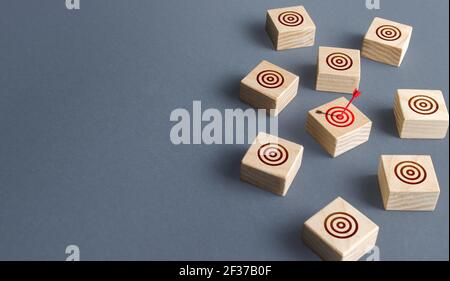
(338, 69)
(339, 231)
(407, 182)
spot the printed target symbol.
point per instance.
(339, 61)
(339, 116)
(388, 32)
(290, 18)
(273, 154)
(423, 105)
(341, 225)
(410, 172)
(270, 79)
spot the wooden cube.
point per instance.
(271, 163)
(338, 70)
(290, 28)
(339, 232)
(336, 130)
(421, 114)
(386, 41)
(408, 182)
(269, 87)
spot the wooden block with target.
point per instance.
(339, 232)
(338, 129)
(338, 70)
(421, 114)
(386, 41)
(408, 182)
(271, 163)
(269, 87)
(290, 28)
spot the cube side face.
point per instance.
(271, 30)
(381, 53)
(338, 70)
(343, 230)
(271, 163)
(282, 102)
(423, 113)
(319, 246)
(320, 133)
(265, 181)
(382, 182)
(410, 182)
(398, 115)
(387, 41)
(255, 98)
(369, 243)
(269, 86)
(294, 27)
(358, 137)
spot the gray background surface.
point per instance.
(85, 154)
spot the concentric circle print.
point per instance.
(290, 18)
(388, 32)
(270, 79)
(424, 105)
(273, 154)
(339, 61)
(341, 225)
(410, 172)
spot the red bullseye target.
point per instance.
(339, 116)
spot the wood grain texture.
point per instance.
(386, 41)
(269, 172)
(339, 232)
(421, 114)
(259, 91)
(338, 70)
(337, 140)
(290, 35)
(402, 191)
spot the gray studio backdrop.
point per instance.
(85, 153)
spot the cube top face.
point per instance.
(422, 105)
(410, 173)
(390, 33)
(291, 19)
(341, 226)
(337, 120)
(273, 155)
(270, 80)
(339, 61)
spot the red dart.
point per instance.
(356, 93)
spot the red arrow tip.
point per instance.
(356, 93)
